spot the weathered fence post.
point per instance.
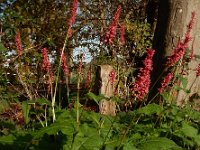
(105, 87)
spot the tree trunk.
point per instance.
(105, 87)
(173, 17)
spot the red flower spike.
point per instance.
(64, 64)
(165, 82)
(181, 47)
(111, 33)
(18, 43)
(46, 65)
(72, 18)
(69, 32)
(141, 86)
(73, 13)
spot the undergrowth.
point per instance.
(152, 127)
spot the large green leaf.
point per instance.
(16, 140)
(189, 130)
(129, 146)
(159, 143)
(65, 126)
(96, 98)
(150, 109)
(7, 139)
(87, 138)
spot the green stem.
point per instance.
(40, 120)
(57, 77)
(125, 133)
(108, 131)
(77, 100)
(45, 115)
(67, 86)
(59, 96)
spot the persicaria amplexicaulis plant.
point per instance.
(111, 33)
(73, 13)
(142, 81)
(165, 82)
(18, 43)
(72, 18)
(46, 66)
(181, 47)
(64, 64)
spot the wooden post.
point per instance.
(104, 86)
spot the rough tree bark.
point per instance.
(173, 17)
(103, 86)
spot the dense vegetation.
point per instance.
(46, 82)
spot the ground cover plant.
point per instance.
(41, 109)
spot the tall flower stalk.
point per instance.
(141, 86)
(64, 63)
(18, 43)
(165, 82)
(111, 33)
(46, 66)
(72, 18)
(65, 68)
(78, 90)
(181, 47)
(68, 35)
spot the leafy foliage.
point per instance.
(150, 127)
(27, 123)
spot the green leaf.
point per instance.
(2, 47)
(43, 101)
(129, 146)
(25, 110)
(95, 117)
(150, 109)
(64, 126)
(96, 98)
(87, 138)
(7, 139)
(167, 96)
(189, 130)
(159, 143)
